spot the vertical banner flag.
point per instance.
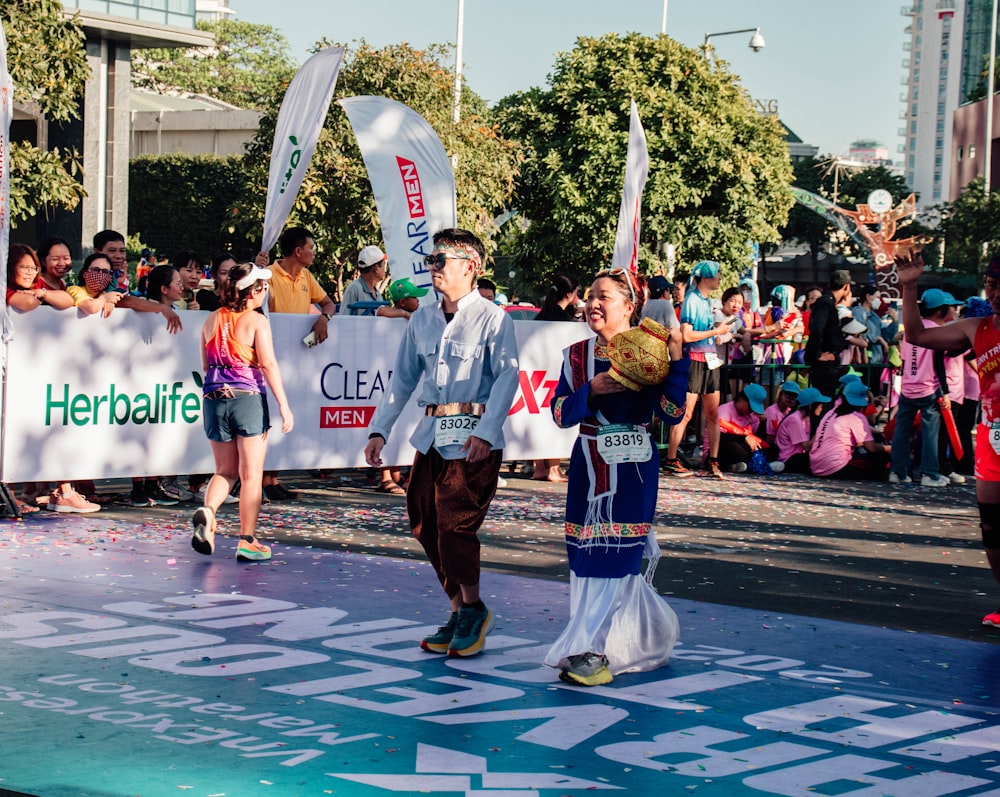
(300, 120)
(636, 170)
(6, 115)
(411, 178)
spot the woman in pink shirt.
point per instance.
(794, 434)
(843, 430)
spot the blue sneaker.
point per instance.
(441, 641)
(471, 629)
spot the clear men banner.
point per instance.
(120, 396)
(411, 178)
(300, 120)
(626, 254)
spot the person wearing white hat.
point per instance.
(237, 358)
(373, 265)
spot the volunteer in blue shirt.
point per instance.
(464, 348)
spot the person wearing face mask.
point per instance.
(865, 311)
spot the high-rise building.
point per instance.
(933, 80)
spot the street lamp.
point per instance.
(756, 41)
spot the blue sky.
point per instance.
(834, 67)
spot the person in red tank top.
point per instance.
(983, 334)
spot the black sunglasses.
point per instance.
(438, 261)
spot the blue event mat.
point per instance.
(132, 666)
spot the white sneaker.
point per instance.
(934, 481)
(174, 490)
(200, 497)
(501, 481)
(956, 478)
(895, 479)
(778, 466)
(738, 467)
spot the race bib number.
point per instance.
(712, 360)
(622, 442)
(454, 430)
(995, 436)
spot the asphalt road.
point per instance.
(907, 558)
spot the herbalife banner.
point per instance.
(300, 120)
(105, 398)
(626, 253)
(411, 178)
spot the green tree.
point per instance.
(970, 227)
(48, 66)
(248, 66)
(719, 172)
(336, 200)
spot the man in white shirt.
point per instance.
(464, 348)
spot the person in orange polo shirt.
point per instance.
(295, 290)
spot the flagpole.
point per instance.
(456, 113)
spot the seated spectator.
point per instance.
(26, 291)
(739, 422)
(794, 433)
(842, 431)
(192, 269)
(788, 395)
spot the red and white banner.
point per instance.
(626, 253)
(300, 120)
(411, 178)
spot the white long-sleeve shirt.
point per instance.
(472, 358)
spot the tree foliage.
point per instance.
(336, 200)
(970, 227)
(191, 214)
(718, 176)
(48, 66)
(248, 66)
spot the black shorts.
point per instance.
(701, 380)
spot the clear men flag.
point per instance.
(626, 254)
(300, 120)
(411, 177)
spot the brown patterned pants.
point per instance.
(447, 500)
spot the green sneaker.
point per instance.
(587, 669)
(471, 628)
(439, 642)
(252, 552)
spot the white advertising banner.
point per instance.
(300, 120)
(106, 398)
(6, 115)
(411, 178)
(626, 253)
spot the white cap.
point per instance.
(370, 256)
(256, 273)
(853, 328)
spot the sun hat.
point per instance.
(790, 387)
(811, 396)
(856, 394)
(755, 397)
(933, 298)
(256, 273)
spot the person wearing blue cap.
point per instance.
(739, 422)
(788, 395)
(700, 333)
(842, 431)
(923, 384)
(983, 334)
(794, 434)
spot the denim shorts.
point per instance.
(242, 416)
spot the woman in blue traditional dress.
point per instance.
(618, 623)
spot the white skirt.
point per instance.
(623, 618)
